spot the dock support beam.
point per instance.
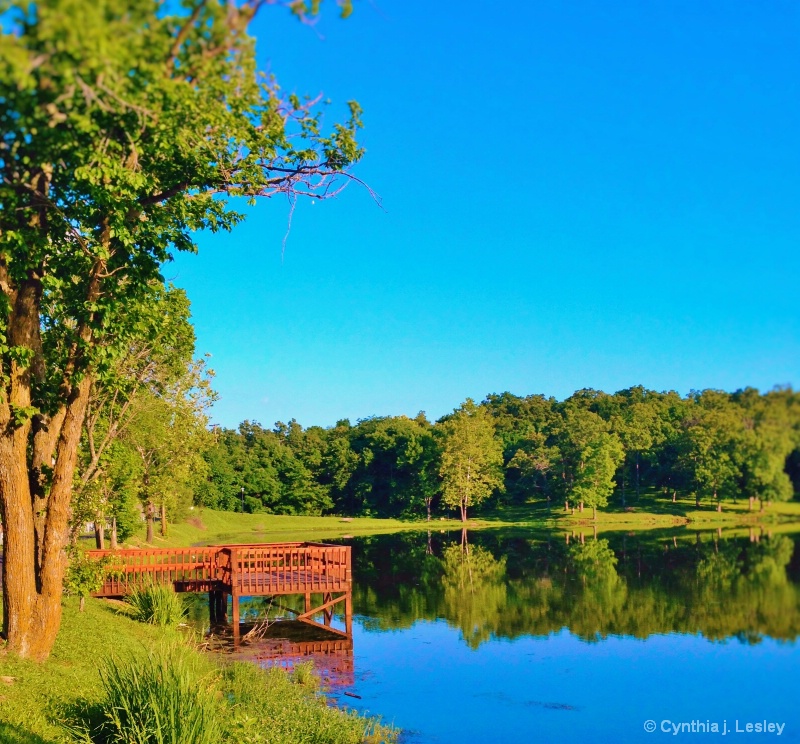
(236, 629)
(348, 614)
(212, 607)
(217, 606)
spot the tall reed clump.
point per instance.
(268, 707)
(157, 604)
(167, 696)
(174, 695)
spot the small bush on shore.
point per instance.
(164, 696)
(172, 695)
(268, 708)
(157, 604)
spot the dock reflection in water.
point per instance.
(287, 643)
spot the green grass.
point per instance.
(209, 527)
(41, 694)
(290, 711)
(36, 700)
(651, 511)
(164, 696)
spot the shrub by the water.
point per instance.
(173, 695)
(268, 708)
(303, 674)
(157, 604)
(164, 696)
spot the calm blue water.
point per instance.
(513, 637)
(427, 681)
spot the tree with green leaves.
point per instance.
(125, 127)
(472, 458)
(594, 479)
(168, 434)
(636, 428)
(710, 432)
(768, 435)
(577, 435)
(154, 363)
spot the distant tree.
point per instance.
(767, 437)
(396, 471)
(168, 434)
(711, 429)
(257, 470)
(637, 429)
(525, 426)
(581, 436)
(472, 458)
(157, 356)
(594, 479)
(536, 462)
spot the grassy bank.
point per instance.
(209, 527)
(646, 513)
(37, 699)
(650, 511)
(206, 526)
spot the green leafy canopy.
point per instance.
(126, 126)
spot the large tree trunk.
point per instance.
(38, 453)
(19, 574)
(163, 519)
(463, 512)
(35, 561)
(113, 533)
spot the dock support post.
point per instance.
(307, 605)
(348, 614)
(217, 606)
(213, 606)
(327, 613)
(236, 629)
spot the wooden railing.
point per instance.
(131, 568)
(289, 568)
(283, 568)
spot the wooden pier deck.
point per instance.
(270, 569)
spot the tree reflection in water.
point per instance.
(509, 584)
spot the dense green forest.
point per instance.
(585, 451)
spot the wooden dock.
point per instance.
(268, 570)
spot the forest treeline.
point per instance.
(584, 451)
(148, 449)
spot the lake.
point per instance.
(505, 636)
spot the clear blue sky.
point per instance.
(577, 194)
